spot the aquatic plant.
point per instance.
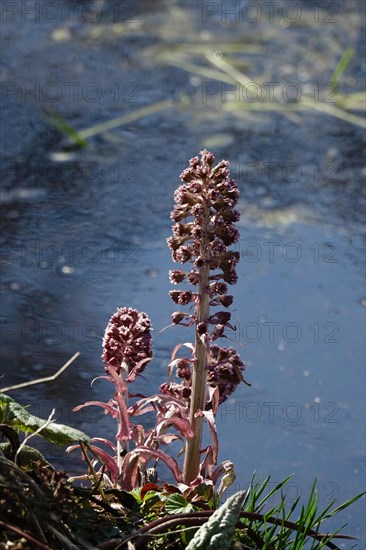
(204, 217)
(127, 348)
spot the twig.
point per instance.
(140, 543)
(92, 469)
(26, 439)
(65, 541)
(22, 474)
(18, 488)
(27, 504)
(30, 538)
(85, 493)
(40, 380)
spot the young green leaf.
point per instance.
(177, 504)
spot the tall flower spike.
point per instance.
(204, 217)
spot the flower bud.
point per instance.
(127, 339)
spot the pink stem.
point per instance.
(122, 445)
(199, 375)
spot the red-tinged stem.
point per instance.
(123, 446)
(199, 374)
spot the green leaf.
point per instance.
(19, 418)
(344, 505)
(342, 65)
(64, 127)
(154, 496)
(136, 493)
(129, 499)
(177, 504)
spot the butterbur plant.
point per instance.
(204, 219)
(203, 231)
(127, 349)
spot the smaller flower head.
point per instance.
(225, 371)
(127, 339)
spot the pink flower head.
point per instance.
(225, 371)
(204, 213)
(127, 339)
(204, 208)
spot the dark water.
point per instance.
(83, 231)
